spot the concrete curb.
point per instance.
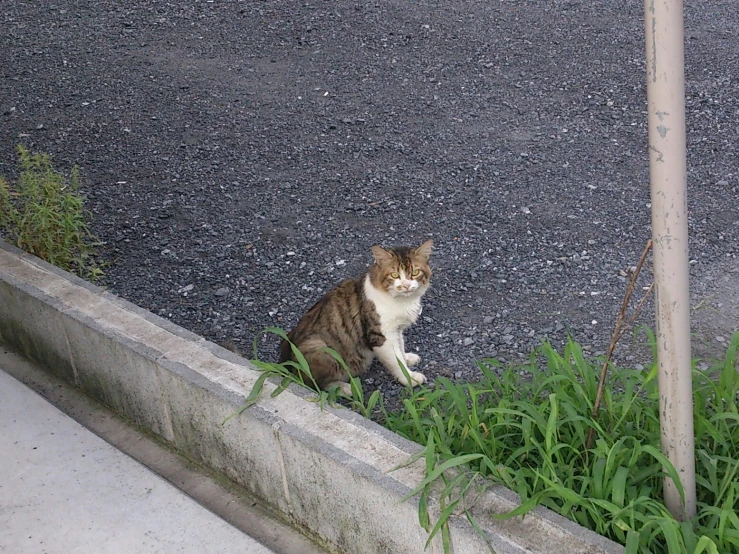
(327, 471)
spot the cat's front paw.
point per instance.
(412, 359)
(416, 379)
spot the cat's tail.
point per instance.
(229, 345)
(286, 352)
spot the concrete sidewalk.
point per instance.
(64, 490)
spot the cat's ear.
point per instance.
(424, 251)
(381, 255)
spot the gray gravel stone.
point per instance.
(512, 133)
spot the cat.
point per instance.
(365, 318)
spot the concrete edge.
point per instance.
(222, 497)
(327, 471)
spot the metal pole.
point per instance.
(665, 95)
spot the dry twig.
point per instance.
(619, 332)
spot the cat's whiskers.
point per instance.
(404, 290)
(404, 285)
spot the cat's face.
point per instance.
(402, 271)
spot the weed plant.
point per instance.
(529, 434)
(526, 427)
(43, 214)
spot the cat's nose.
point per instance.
(405, 285)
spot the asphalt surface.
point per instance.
(240, 158)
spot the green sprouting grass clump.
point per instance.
(526, 427)
(299, 373)
(43, 213)
(529, 434)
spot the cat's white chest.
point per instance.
(395, 312)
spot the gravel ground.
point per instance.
(240, 158)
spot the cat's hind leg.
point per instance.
(345, 388)
(324, 368)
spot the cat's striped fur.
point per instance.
(365, 318)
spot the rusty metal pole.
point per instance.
(668, 184)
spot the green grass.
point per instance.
(526, 427)
(43, 213)
(299, 373)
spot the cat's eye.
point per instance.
(395, 275)
(416, 273)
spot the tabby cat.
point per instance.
(365, 318)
